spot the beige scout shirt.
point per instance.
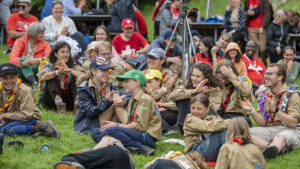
(100, 93)
(23, 106)
(243, 86)
(146, 118)
(117, 71)
(236, 156)
(194, 126)
(292, 107)
(181, 160)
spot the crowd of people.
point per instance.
(127, 92)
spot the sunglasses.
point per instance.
(21, 6)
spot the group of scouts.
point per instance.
(211, 109)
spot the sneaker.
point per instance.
(270, 152)
(169, 132)
(48, 129)
(61, 108)
(67, 165)
(286, 150)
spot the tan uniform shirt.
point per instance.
(292, 107)
(118, 70)
(23, 106)
(146, 118)
(236, 156)
(194, 126)
(100, 93)
(181, 160)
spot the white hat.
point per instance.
(25, 1)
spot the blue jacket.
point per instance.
(160, 43)
(87, 117)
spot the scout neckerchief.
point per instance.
(6, 105)
(277, 107)
(164, 79)
(224, 104)
(241, 140)
(132, 113)
(100, 94)
(65, 82)
(108, 76)
(44, 60)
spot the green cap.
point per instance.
(135, 75)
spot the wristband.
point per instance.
(165, 90)
(56, 73)
(117, 124)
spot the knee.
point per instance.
(96, 135)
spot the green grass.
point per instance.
(31, 156)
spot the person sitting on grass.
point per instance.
(143, 126)
(28, 52)
(239, 151)
(95, 99)
(59, 76)
(278, 114)
(202, 132)
(18, 108)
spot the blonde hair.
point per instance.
(198, 158)
(103, 44)
(238, 127)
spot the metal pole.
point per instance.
(176, 27)
(98, 4)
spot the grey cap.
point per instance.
(25, 1)
(158, 53)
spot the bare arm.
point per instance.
(287, 119)
(145, 49)
(14, 34)
(77, 73)
(48, 76)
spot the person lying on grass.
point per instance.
(278, 114)
(95, 99)
(18, 108)
(143, 125)
(239, 151)
(202, 132)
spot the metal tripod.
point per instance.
(186, 29)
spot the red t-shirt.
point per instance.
(200, 59)
(136, 42)
(258, 21)
(18, 23)
(255, 69)
(142, 24)
(175, 14)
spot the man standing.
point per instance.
(292, 67)
(260, 16)
(71, 9)
(255, 67)
(18, 23)
(278, 114)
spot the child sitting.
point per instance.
(239, 151)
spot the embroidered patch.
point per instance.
(143, 108)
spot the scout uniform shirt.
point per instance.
(22, 107)
(236, 156)
(194, 127)
(292, 107)
(143, 115)
(99, 93)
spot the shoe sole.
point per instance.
(270, 152)
(64, 165)
(55, 129)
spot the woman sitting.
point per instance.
(28, 51)
(95, 95)
(57, 25)
(234, 54)
(59, 75)
(277, 36)
(235, 21)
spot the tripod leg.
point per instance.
(175, 29)
(191, 37)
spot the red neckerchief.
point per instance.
(225, 103)
(132, 113)
(277, 108)
(65, 83)
(157, 104)
(168, 53)
(240, 140)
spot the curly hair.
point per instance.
(207, 72)
(54, 51)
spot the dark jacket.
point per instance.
(120, 10)
(242, 21)
(160, 43)
(267, 12)
(87, 117)
(277, 35)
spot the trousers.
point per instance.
(18, 127)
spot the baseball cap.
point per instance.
(8, 68)
(25, 1)
(152, 73)
(100, 63)
(168, 34)
(135, 75)
(127, 23)
(158, 53)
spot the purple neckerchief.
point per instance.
(261, 100)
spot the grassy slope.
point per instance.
(31, 155)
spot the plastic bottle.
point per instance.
(45, 147)
(198, 17)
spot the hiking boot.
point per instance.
(48, 129)
(270, 152)
(61, 108)
(67, 165)
(286, 150)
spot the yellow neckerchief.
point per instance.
(11, 97)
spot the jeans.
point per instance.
(128, 137)
(18, 127)
(210, 147)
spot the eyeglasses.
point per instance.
(270, 73)
(21, 6)
(105, 54)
